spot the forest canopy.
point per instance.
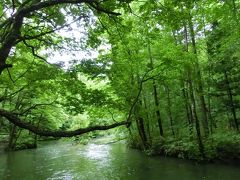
(169, 70)
(29, 27)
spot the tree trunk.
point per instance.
(184, 90)
(195, 118)
(169, 110)
(147, 120)
(232, 106)
(188, 109)
(155, 94)
(13, 35)
(142, 133)
(193, 109)
(12, 137)
(199, 82)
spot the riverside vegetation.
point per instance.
(166, 76)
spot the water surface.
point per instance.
(63, 160)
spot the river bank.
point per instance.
(223, 148)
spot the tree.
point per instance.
(28, 27)
(30, 11)
(166, 67)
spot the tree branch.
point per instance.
(50, 3)
(3, 98)
(14, 32)
(143, 79)
(33, 51)
(57, 133)
(34, 107)
(27, 37)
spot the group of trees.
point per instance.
(37, 96)
(180, 60)
(171, 72)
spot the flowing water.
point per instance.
(62, 160)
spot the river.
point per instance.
(57, 160)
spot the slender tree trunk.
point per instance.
(16, 137)
(212, 122)
(169, 108)
(209, 101)
(140, 119)
(12, 137)
(210, 117)
(35, 140)
(188, 109)
(3, 102)
(141, 128)
(155, 94)
(231, 126)
(196, 120)
(232, 106)
(147, 119)
(193, 108)
(143, 132)
(199, 81)
(185, 92)
(13, 132)
(159, 120)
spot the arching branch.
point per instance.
(58, 133)
(13, 118)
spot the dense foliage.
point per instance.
(169, 69)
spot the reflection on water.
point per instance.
(60, 160)
(98, 152)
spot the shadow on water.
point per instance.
(62, 160)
